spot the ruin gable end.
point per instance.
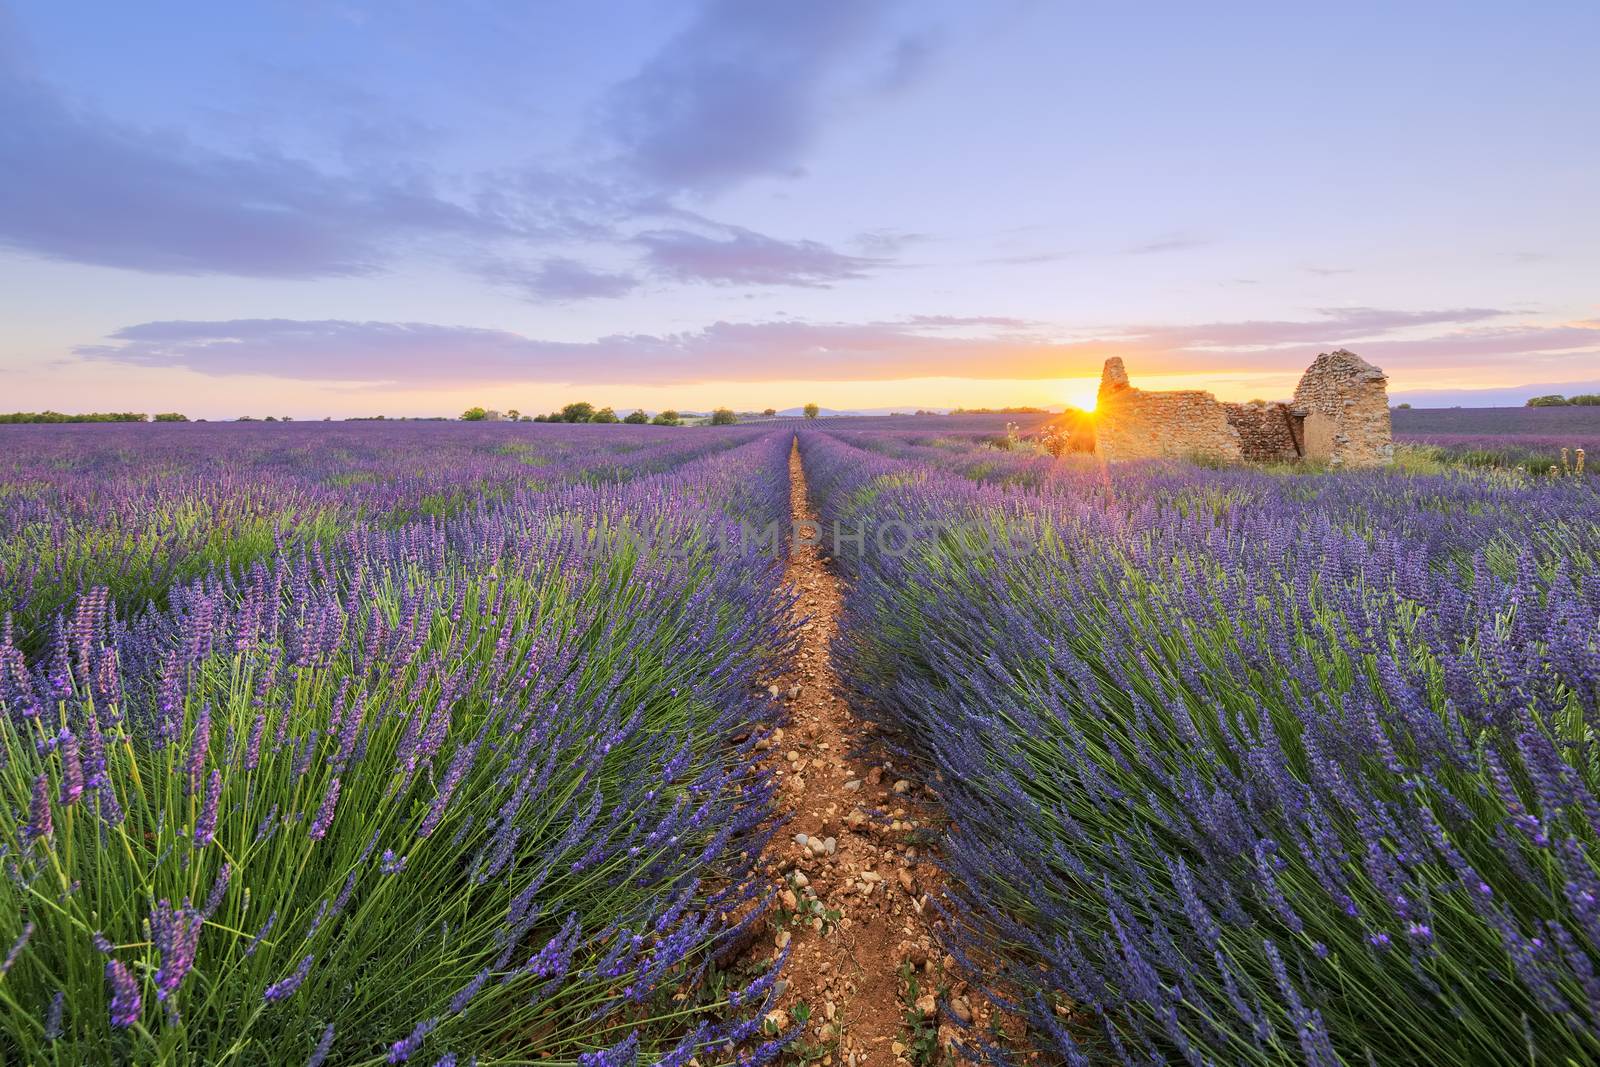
(1346, 401)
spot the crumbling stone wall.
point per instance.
(1339, 415)
(1346, 401)
(1134, 424)
(1266, 431)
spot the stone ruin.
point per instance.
(1339, 416)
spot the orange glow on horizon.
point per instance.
(1081, 393)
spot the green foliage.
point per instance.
(56, 416)
(347, 898)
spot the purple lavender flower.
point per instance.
(40, 824)
(71, 770)
(402, 1050)
(252, 751)
(324, 1044)
(125, 1000)
(52, 1019)
(278, 990)
(324, 819)
(624, 1053)
(260, 935)
(199, 745)
(205, 827)
(219, 890)
(176, 933)
(16, 948)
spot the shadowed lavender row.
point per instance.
(1248, 768)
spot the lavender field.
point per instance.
(439, 743)
(1531, 438)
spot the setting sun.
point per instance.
(1080, 393)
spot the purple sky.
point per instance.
(405, 207)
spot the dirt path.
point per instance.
(865, 979)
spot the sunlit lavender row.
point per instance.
(1244, 767)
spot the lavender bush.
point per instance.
(137, 508)
(481, 784)
(1244, 768)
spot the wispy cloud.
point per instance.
(426, 355)
(1177, 242)
(744, 257)
(79, 186)
(557, 279)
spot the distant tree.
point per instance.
(604, 415)
(723, 417)
(638, 418)
(812, 411)
(474, 415)
(770, 412)
(513, 414)
(582, 411)
(56, 416)
(171, 416)
(667, 418)
(1554, 400)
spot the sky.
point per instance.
(349, 208)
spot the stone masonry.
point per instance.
(1346, 405)
(1134, 424)
(1339, 416)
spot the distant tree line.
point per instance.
(1556, 400)
(583, 411)
(996, 411)
(93, 416)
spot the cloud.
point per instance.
(558, 278)
(738, 92)
(424, 355)
(1336, 326)
(1174, 243)
(741, 92)
(745, 257)
(81, 187)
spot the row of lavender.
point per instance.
(1242, 768)
(138, 508)
(481, 785)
